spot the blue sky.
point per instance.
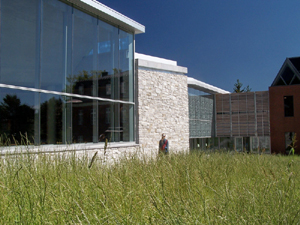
(219, 41)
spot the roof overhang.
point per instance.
(201, 86)
(157, 63)
(106, 13)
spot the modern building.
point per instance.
(66, 73)
(285, 107)
(223, 120)
(70, 80)
(265, 121)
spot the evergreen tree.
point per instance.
(238, 87)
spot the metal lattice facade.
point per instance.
(242, 114)
(201, 114)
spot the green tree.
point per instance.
(238, 87)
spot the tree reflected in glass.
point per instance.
(17, 121)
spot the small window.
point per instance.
(288, 106)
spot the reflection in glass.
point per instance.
(84, 54)
(127, 118)
(49, 45)
(109, 122)
(108, 60)
(56, 44)
(105, 120)
(83, 117)
(16, 117)
(126, 66)
(116, 122)
(19, 41)
(51, 119)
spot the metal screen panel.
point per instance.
(201, 111)
(242, 114)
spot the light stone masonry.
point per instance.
(113, 153)
(162, 106)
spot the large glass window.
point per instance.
(56, 45)
(126, 66)
(108, 61)
(17, 120)
(83, 65)
(83, 120)
(127, 118)
(84, 58)
(51, 119)
(20, 28)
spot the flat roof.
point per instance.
(153, 62)
(201, 86)
(106, 13)
(155, 59)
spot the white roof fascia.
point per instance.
(201, 86)
(155, 59)
(160, 66)
(109, 14)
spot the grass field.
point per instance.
(195, 188)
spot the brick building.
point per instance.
(284, 97)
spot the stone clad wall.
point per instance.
(162, 107)
(113, 153)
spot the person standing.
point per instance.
(163, 145)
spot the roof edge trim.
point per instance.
(161, 66)
(201, 86)
(155, 59)
(109, 14)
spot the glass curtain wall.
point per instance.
(17, 115)
(72, 75)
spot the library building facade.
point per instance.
(70, 79)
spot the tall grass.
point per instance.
(196, 188)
